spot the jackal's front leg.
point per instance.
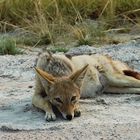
(77, 112)
(43, 104)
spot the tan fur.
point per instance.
(57, 84)
(112, 74)
(61, 81)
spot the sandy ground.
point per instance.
(106, 117)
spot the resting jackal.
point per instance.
(61, 81)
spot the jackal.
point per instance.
(61, 81)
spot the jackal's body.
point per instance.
(74, 79)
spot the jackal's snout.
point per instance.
(69, 117)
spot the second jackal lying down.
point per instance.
(61, 81)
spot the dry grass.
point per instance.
(55, 20)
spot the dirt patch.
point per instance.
(105, 117)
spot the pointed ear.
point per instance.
(78, 76)
(49, 53)
(45, 75)
(68, 56)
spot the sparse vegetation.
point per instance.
(59, 49)
(8, 46)
(53, 20)
(33, 40)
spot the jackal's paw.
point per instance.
(100, 69)
(77, 113)
(50, 116)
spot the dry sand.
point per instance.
(106, 117)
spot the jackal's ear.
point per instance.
(45, 75)
(49, 53)
(78, 76)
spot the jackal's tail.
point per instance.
(132, 73)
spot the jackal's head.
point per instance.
(64, 92)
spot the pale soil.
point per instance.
(106, 117)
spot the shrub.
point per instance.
(8, 46)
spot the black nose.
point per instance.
(69, 117)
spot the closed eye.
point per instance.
(58, 100)
(73, 98)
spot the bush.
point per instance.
(8, 46)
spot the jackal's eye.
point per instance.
(58, 100)
(73, 98)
